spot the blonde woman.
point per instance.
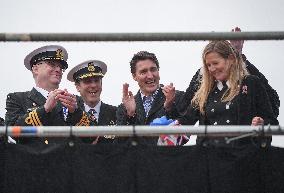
(228, 95)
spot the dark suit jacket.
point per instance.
(27, 109)
(157, 110)
(107, 117)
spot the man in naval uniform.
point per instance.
(88, 81)
(45, 104)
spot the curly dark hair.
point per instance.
(142, 55)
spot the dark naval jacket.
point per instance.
(195, 83)
(252, 101)
(107, 117)
(27, 109)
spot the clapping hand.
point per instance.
(128, 100)
(169, 92)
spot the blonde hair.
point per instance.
(237, 71)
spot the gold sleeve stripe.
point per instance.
(84, 120)
(37, 118)
(33, 119)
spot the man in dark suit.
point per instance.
(152, 100)
(45, 104)
(88, 81)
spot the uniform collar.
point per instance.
(220, 84)
(97, 108)
(42, 91)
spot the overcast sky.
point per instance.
(178, 60)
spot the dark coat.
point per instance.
(27, 109)
(157, 110)
(195, 83)
(107, 117)
(253, 101)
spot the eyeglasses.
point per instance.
(55, 64)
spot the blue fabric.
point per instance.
(161, 121)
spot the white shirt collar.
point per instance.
(97, 109)
(220, 84)
(42, 91)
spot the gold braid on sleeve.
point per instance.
(33, 119)
(84, 120)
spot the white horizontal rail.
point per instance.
(64, 131)
(179, 36)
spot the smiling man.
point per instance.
(152, 100)
(88, 81)
(45, 104)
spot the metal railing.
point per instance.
(268, 35)
(65, 131)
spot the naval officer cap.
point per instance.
(50, 52)
(90, 68)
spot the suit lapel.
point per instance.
(157, 103)
(140, 112)
(80, 103)
(59, 108)
(102, 114)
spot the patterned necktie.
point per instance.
(65, 112)
(147, 103)
(92, 113)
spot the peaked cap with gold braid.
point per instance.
(90, 68)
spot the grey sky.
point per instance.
(179, 60)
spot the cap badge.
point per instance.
(91, 67)
(59, 54)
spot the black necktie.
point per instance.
(92, 113)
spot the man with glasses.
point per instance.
(45, 104)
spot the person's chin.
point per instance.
(92, 99)
(57, 78)
(152, 89)
(56, 81)
(219, 78)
